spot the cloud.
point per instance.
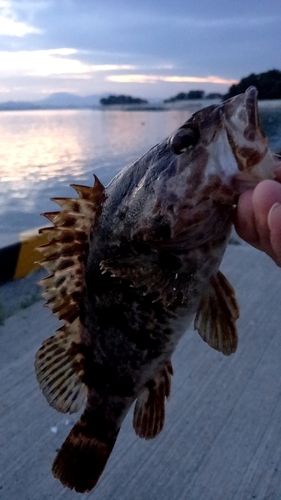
(10, 26)
(62, 62)
(174, 79)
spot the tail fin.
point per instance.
(82, 458)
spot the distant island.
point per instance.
(193, 95)
(182, 96)
(121, 99)
(132, 103)
(268, 85)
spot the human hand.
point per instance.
(258, 217)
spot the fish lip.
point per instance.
(251, 105)
(244, 180)
(239, 186)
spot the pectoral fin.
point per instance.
(217, 314)
(150, 272)
(149, 414)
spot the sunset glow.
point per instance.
(175, 79)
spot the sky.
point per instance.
(145, 48)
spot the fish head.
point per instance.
(196, 175)
(226, 143)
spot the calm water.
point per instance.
(42, 152)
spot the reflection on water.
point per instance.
(42, 152)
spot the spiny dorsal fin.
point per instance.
(149, 413)
(67, 248)
(217, 314)
(59, 364)
(59, 369)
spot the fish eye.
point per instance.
(183, 139)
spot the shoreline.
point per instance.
(186, 104)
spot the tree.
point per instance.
(196, 94)
(121, 99)
(268, 85)
(182, 96)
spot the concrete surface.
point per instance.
(20, 294)
(222, 437)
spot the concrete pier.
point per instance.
(222, 436)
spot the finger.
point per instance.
(266, 194)
(277, 174)
(274, 223)
(244, 222)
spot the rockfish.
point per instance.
(131, 265)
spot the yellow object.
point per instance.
(28, 254)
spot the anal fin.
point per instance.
(217, 314)
(59, 369)
(149, 413)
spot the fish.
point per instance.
(131, 265)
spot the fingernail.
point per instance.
(270, 216)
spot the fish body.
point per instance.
(130, 266)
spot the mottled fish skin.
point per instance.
(131, 265)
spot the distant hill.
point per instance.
(268, 85)
(66, 100)
(59, 100)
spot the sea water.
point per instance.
(42, 152)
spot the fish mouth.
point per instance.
(246, 180)
(242, 113)
(240, 184)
